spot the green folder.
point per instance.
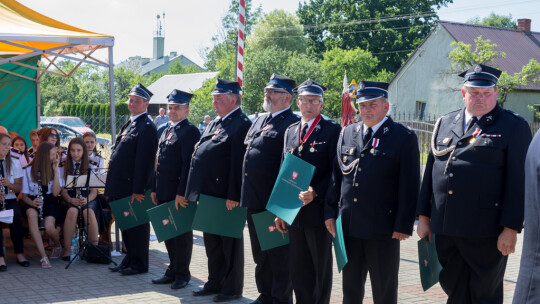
(213, 217)
(169, 222)
(428, 262)
(128, 215)
(267, 233)
(294, 177)
(339, 246)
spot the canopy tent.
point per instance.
(28, 38)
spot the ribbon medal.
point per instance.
(216, 133)
(308, 133)
(475, 135)
(374, 143)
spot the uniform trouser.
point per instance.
(15, 228)
(137, 240)
(311, 264)
(378, 257)
(272, 268)
(179, 249)
(225, 263)
(473, 269)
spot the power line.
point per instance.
(341, 33)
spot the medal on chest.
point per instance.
(308, 133)
(476, 133)
(374, 144)
(215, 133)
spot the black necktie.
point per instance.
(304, 130)
(474, 119)
(367, 137)
(267, 119)
(77, 167)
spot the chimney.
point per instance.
(524, 25)
(159, 38)
(173, 54)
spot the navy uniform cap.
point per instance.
(480, 76)
(370, 90)
(279, 82)
(179, 97)
(226, 87)
(310, 87)
(141, 91)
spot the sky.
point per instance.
(190, 25)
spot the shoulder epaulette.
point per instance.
(17, 151)
(29, 165)
(92, 162)
(15, 156)
(62, 163)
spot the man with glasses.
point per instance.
(264, 142)
(375, 189)
(473, 190)
(216, 170)
(314, 140)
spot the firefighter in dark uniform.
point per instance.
(216, 170)
(473, 190)
(174, 155)
(314, 140)
(130, 174)
(375, 189)
(261, 166)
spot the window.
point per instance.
(536, 113)
(420, 110)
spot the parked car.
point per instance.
(67, 133)
(70, 121)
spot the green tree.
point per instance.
(201, 103)
(177, 68)
(389, 29)
(486, 53)
(358, 63)
(279, 28)
(495, 20)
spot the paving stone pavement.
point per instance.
(93, 283)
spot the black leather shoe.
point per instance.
(204, 292)
(117, 268)
(163, 280)
(129, 271)
(179, 284)
(260, 300)
(3, 268)
(224, 298)
(23, 263)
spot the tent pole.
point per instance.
(113, 128)
(38, 98)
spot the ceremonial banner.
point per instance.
(213, 217)
(267, 233)
(429, 263)
(128, 215)
(169, 222)
(339, 246)
(294, 177)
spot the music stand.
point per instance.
(86, 181)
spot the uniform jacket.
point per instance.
(529, 272)
(324, 140)
(216, 165)
(379, 196)
(478, 189)
(132, 160)
(174, 155)
(262, 160)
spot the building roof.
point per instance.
(520, 47)
(162, 64)
(185, 82)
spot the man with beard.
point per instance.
(261, 167)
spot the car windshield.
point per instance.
(72, 122)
